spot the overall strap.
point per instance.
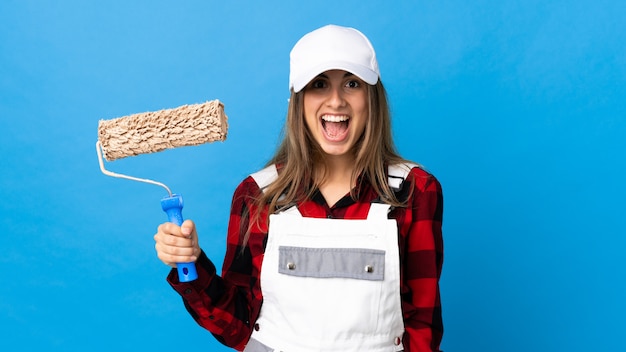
(378, 211)
(397, 173)
(265, 177)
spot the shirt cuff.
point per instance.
(206, 271)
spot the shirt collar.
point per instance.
(363, 192)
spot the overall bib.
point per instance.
(330, 285)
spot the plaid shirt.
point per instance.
(228, 305)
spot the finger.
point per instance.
(171, 242)
(168, 228)
(170, 255)
(172, 259)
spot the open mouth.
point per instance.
(335, 126)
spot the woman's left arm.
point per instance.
(422, 264)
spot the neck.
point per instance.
(339, 167)
(338, 180)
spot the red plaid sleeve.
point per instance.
(227, 304)
(422, 244)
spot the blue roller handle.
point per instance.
(173, 206)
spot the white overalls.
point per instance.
(330, 284)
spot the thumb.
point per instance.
(187, 228)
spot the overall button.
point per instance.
(291, 266)
(369, 269)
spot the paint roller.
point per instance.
(152, 132)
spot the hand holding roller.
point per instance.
(173, 206)
(156, 131)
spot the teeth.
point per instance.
(335, 118)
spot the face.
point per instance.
(335, 110)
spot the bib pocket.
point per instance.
(349, 263)
(331, 290)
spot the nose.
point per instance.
(336, 98)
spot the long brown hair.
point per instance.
(299, 153)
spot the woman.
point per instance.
(336, 245)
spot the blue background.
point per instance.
(516, 106)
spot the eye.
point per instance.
(353, 84)
(317, 83)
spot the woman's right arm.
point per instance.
(228, 305)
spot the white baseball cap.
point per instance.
(332, 47)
